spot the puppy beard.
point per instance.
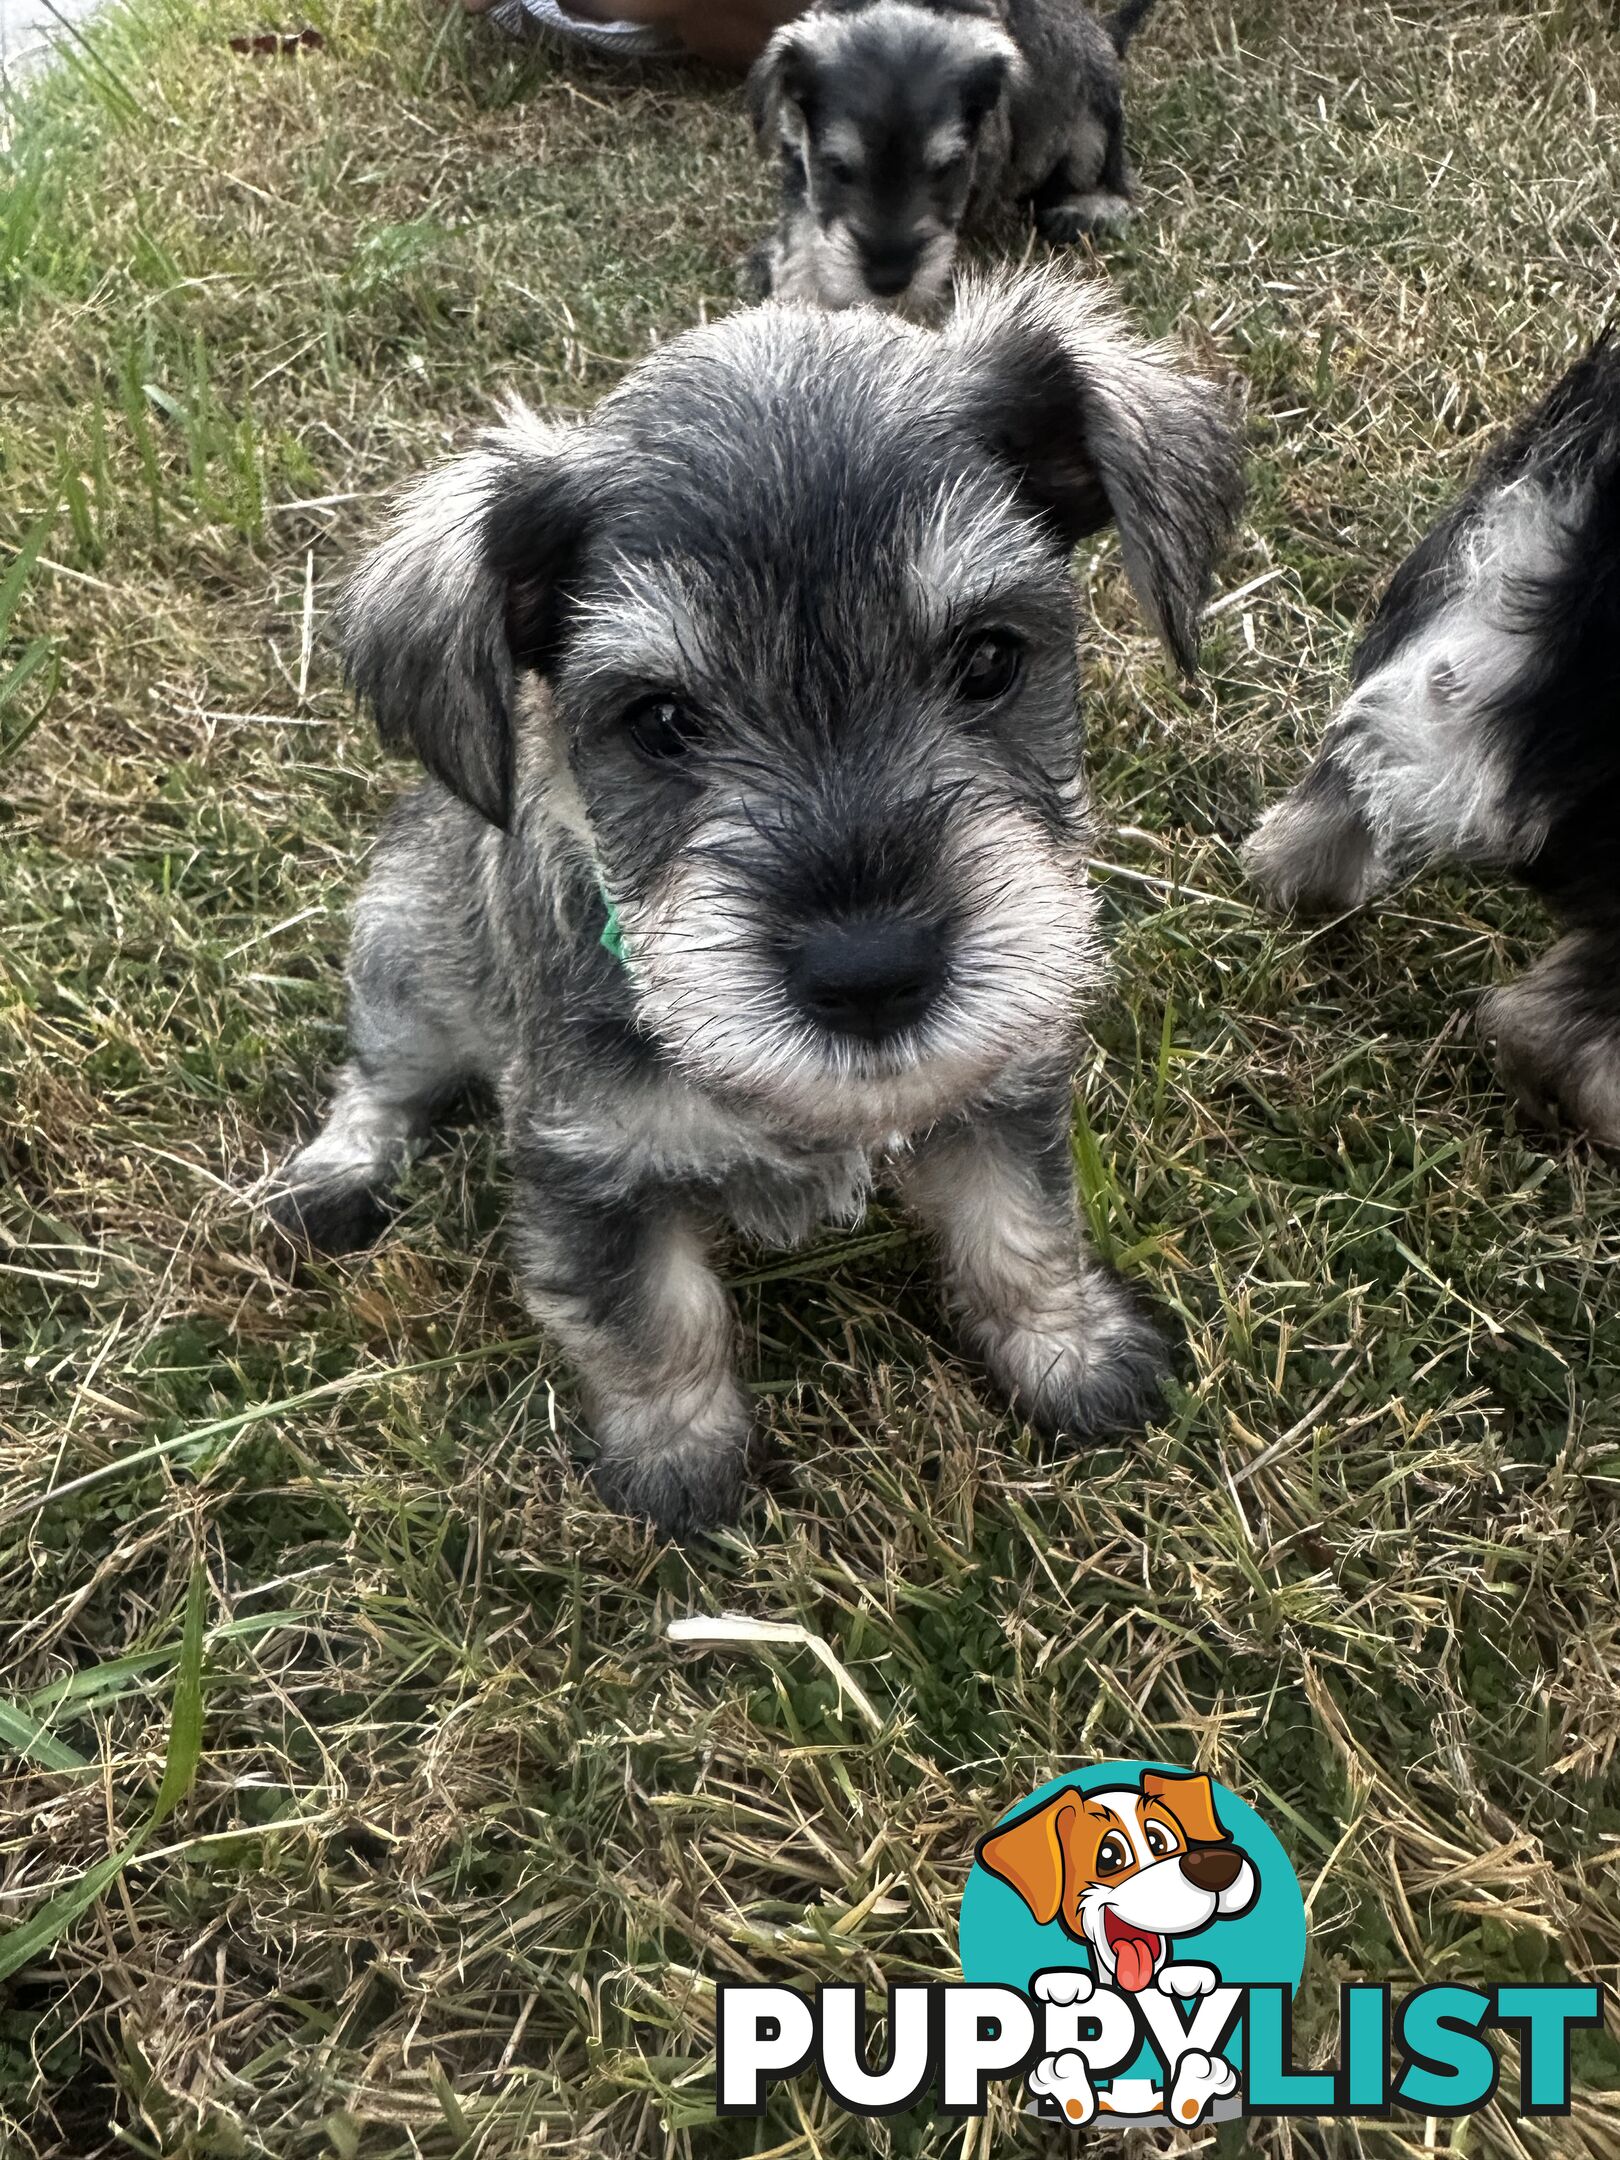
(931, 287)
(1023, 954)
(822, 264)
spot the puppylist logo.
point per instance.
(1137, 1897)
(1131, 1940)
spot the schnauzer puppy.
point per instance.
(754, 857)
(1484, 724)
(899, 121)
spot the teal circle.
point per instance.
(1002, 1944)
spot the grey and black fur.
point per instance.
(898, 123)
(779, 651)
(1484, 725)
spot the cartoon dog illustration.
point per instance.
(1124, 1872)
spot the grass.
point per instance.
(461, 1843)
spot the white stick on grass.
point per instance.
(739, 1628)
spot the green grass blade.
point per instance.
(186, 1718)
(140, 428)
(1098, 1193)
(34, 1936)
(80, 53)
(22, 1944)
(33, 659)
(114, 1678)
(40, 654)
(26, 1736)
(1161, 1069)
(22, 568)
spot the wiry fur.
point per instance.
(797, 526)
(897, 123)
(1484, 725)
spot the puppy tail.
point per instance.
(1125, 21)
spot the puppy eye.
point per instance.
(989, 666)
(1112, 1855)
(1159, 1840)
(663, 729)
(839, 171)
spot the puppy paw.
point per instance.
(1313, 853)
(1063, 1984)
(320, 1211)
(1103, 1374)
(683, 1477)
(1099, 211)
(1199, 2080)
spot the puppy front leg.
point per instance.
(1089, 189)
(1316, 851)
(623, 1282)
(1060, 1334)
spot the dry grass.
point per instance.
(469, 1843)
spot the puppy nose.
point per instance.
(889, 270)
(1212, 1867)
(868, 978)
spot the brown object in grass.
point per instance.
(271, 43)
(731, 34)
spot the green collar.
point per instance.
(612, 931)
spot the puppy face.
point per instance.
(783, 642)
(829, 758)
(881, 113)
(1125, 1872)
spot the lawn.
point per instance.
(353, 1795)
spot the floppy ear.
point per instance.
(782, 76)
(462, 592)
(1100, 425)
(1191, 1800)
(986, 79)
(1028, 1854)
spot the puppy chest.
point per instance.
(671, 1139)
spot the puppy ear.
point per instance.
(459, 595)
(1100, 425)
(1191, 1800)
(1028, 1854)
(986, 80)
(782, 76)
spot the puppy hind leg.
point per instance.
(1314, 852)
(1061, 1335)
(1556, 1033)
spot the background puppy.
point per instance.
(779, 652)
(898, 121)
(1484, 724)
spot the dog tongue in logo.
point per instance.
(1134, 1953)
